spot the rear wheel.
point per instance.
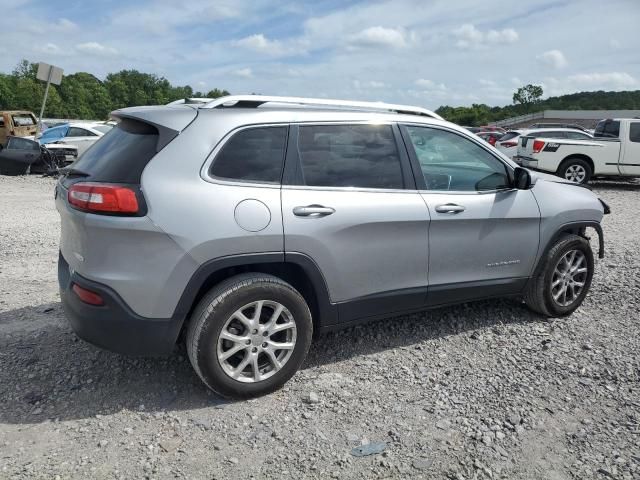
(249, 335)
(563, 279)
(575, 170)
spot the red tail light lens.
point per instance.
(509, 144)
(103, 198)
(87, 296)
(538, 145)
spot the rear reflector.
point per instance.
(87, 296)
(101, 197)
(537, 146)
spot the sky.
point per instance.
(427, 53)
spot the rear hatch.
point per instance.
(525, 146)
(106, 235)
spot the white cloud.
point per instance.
(50, 49)
(430, 84)
(64, 25)
(468, 36)
(95, 48)
(260, 43)
(552, 58)
(243, 72)
(611, 80)
(359, 85)
(379, 37)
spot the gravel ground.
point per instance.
(483, 390)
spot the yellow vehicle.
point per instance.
(17, 123)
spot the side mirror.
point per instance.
(521, 179)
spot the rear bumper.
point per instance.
(114, 326)
(526, 161)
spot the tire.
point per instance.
(575, 170)
(539, 294)
(217, 315)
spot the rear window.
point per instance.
(607, 129)
(121, 154)
(23, 120)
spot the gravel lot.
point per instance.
(483, 390)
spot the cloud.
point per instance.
(260, 43)
(430, 84)
(95, 48)
(468, 36)
(64, 25)
(243, 72)
(552, 58)
(379, 37)
(610, 81)
(360, 85)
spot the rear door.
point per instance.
(350, 204)
(484, 234)
(630, 156)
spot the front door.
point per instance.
(352, 209)
(484, 235)
(81, 138)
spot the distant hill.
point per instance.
(481, 114)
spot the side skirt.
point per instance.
(402, 302)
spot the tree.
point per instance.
(527, 95)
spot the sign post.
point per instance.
(50, 74)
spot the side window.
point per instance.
(550, 134)
(79, 132)
(252, 155)
(634, 132)
(363, 156)
(577, 136)
(452, 162)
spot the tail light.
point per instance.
(103, 198)
(538, 145)
(509, 144)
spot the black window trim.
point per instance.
(205, 171)
(417, 171)
(292, 179)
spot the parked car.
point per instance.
(492, 128)
(614, 151)
(508, 143)
(16, 123)
(20, 155)
(490, 137)
(54, 139)
(83, 135)
(310, 215)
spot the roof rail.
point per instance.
(254, 101)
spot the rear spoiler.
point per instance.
(169, 121)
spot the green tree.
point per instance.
(527, 96)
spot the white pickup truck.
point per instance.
(614, 151)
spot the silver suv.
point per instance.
(248, 223)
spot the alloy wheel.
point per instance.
(575, 173)
(569, 278)
(256, 341)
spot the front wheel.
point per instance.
(563, 279)
(249, 335)
(575, 170)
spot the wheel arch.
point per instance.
(580, 156)
(297, 269)
(575, 228)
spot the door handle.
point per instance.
(313, 211)
(450, 208)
